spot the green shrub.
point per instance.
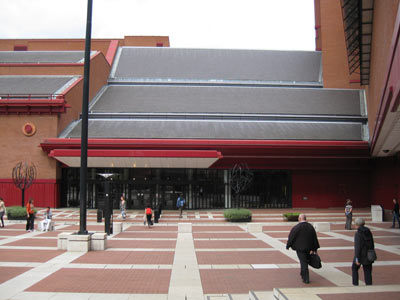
(16, 212)
(291, 217)
(237, 215)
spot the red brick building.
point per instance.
(314, 128)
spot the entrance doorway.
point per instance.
(202, 188)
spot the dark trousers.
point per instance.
(180, 210)
(395, 217)
(367, 273)
(1, 218)
(349, 218)
(30, 222)
(148, 217)
(304, 257)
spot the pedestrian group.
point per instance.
(303, 239)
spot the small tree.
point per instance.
(23, 176)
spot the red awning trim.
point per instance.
(137, 153)
(75, 143)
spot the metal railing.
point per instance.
(31, 97)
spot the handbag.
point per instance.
(371, 255)
(315, 261)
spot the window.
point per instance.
(20, 48)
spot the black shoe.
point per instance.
(306, 281)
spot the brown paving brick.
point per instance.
(380, 274)
(216, 228)
(341, 226)
(12, 232)
(65, 219)
(335, 243)
(218, 235)
(375, 233)
(89, 228)
(230, 244)
(105, 281)
(51, 233)
(32, 242)
(127, 257)
(362, 296)
(278, 228)
(149, 235)
(242, 281)
(7, 273)
(347, 255)
(195, 221)
(286, 234)
(381, 224)
(115, 243)
(18, 255)
(154, 228)
(242, 257)
(15, 226)
(392, 241)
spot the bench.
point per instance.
(51, 226)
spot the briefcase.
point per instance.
(315, 261)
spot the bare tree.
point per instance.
(23, 176)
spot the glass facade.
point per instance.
(202, 188)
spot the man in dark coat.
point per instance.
(363, 240)
(303, 239)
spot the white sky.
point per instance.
(240, 24)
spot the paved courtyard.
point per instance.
(217, 260)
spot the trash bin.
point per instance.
(99, 216)
(376, 213)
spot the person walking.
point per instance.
(363, 241)
(3, 211)
(395, 212)
(122, 207)
(303, 239)
(148, 213)
(157, 212)
(348, 211)
(180, 203)
(30, 222)
(45, 224)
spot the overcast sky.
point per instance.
(240, 24)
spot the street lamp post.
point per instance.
(84, 129)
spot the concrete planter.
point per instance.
(240, 220)
(9, 217)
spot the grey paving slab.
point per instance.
(185, 277)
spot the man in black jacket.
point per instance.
(363, 240)
(303, 239)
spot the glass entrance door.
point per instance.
(170, 193)
(140, 195)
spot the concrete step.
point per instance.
(228, 297)
(253, 295)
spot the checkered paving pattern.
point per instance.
(225, 259)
